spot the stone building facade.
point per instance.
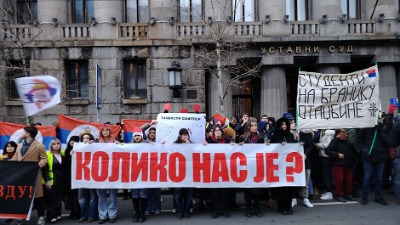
(136, 42)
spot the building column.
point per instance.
(387, 84)
(213, 96)
(49, 9)
(273, 91)
(103, 12)
(388, 7)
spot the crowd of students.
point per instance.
(345, 157)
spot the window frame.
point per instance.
(192, 18)
(32, 14)
(82, 64)
(243, 11)
(357, 9)
(14, 70)
(139, 19)
(295, 17)
(134, 92)
(85, 13)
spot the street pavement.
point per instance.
(324, 212)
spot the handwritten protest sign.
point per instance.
(101, 165)
(338, 100)
(169, 124)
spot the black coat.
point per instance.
(344, 147)
(379, 149)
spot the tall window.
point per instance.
(14, 70)
(135, 84)
(26, 11)
(82, 10)
(244, 10)
(137, 11)
(297, 9)
(191, 10)
(351, 8)
(77, 79)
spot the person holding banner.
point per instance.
(139, 196)
(220, 196)
(107, 210)
(54, 181)
(283, 195)
(343, 155)
(71, 196)
(87, 197)
(183, 197)
(32, 151)
(251, 136)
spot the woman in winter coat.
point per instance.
(251, 136)
(283, 195)
(343, 156)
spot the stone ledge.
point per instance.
(134, 101)
(13, 103)
(76, 102)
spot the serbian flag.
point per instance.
(13, 131)
(73, 127)
(38, 93)
(372, 72)
(129, 124)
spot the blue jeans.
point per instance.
(107, 209)
(183, 199)
(369, 169)
(153, 200)
(396, 173)
(88, 202)
(139, 193)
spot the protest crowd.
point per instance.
(341, 165)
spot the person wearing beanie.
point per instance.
(139, 196)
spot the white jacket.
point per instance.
(324, 140)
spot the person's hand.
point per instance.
(153, 122)
(48, 185)
(91, 142)
(341, 156)
(284, 143)
(301, 143)
(233, 143)
(392, 107)
(205, 142)
(41, 164)
(71, 152)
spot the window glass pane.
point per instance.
(290, 9)
(131, 11)
(135, 84)
(301, 10)
(78, 11)
(26, 11)
(89, 10)
(197, 14)
(243, 10)
(248, 10)
(143, 11)
(15, 70)
(78, 79)
(352, 13)
(184, 7)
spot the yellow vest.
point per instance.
(50, 166)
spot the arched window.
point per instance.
(190, 10)
(297, 9)
(244, 10)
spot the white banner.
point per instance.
(327, 101)
(169, 124)
(127, 166)
(38, 93)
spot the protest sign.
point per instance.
(100, 165)
(327, 101)
(169, 124)
(18, 186)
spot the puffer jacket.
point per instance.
(324, 141)
(344, 147)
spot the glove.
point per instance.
(392, 107)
